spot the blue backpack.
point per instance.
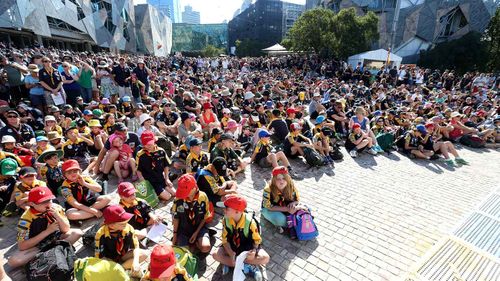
(304, 225)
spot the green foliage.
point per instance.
(249, 48)
(212, 51)
(328, 34)
(492, 36)
(464, 54)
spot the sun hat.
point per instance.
(144, 117)
(94, 123)
(115, 213)
(8, 138)
(69, 165)
(47, 153)
(126, 189)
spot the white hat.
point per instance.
(144, 117)
(226, 93)
(317, 94)
(50, 118)
(8, 138)
(249, 95)
(226, 110)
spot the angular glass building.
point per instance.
(154, 31)
(195, 37)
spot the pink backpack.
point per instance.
(304, 225)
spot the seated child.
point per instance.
(295, 142)
(143, 215)
(190, 214)
(211, 181)
(357, 141)
(27, 181)
(51, 169)
(125, 163)
(8, 171)
(116, 240)
(41, 219)
(265, 158)
(80, 193)
(240, 233)
(321, 141)
(196, 159)
(164, 267)
(414, 145)
(280, 198)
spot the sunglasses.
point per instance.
(11, 116)
(29, 176)
(65, 66)
(46, 61)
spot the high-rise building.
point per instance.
(244, 6)
(190, 16)
(170, 8)
(264, 23)
(311, 4)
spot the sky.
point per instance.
(215, 11)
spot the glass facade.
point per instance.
(195, 37)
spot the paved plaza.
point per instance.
(377, 216)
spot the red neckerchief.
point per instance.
(191, 213)
(50, 218)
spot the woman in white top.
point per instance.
(107, 85)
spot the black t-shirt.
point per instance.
(22, 134)
(280, 128)
(121, 74)
(152, 164)
(168, 119)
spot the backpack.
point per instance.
(55, 263)
(88, 238)
(95, 269)
(472, 141)
(313, 158)
(336, 154)
(385, 140)
(145, 191)
(305, 228)
(186, 260)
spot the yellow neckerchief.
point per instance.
(124, 232)
(195, 157)
(78, 140)
(50, 74)
(134, 203)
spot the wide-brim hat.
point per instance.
(45, 154)
(103, 64)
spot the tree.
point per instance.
(211, 51)
(469, 52)
(249, 47)
(492, 36)
(328, 34)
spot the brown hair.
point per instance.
(287, 192)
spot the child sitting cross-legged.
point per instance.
(240, 233)
(143, 215)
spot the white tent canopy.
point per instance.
(275, 48)
(378, 56)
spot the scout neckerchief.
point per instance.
(79, 193)
(119, 244)
(50, 72)
(192, 212)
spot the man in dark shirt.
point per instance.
(23, 133)
(279, 127)
(121, 76)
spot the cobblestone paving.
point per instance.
(377, 216)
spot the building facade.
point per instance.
(190, 16)
(195, 37)
(78, 24)
(420, 24)
(265, 22)
(170, 8)
(311, 4)
(154, 31)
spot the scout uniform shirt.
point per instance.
(261, 150)
(33, 222)
(242, 235)
(191, 213)
(152, 164)
(72, 191)
(195, 162)
(21, 188)
(114, 245)
(53, 176)
(319, 138)
(209, 184)
(290, 139)
(211, 144)
(71, 149)
(269, 201)
(140, 209)
(227, 153)
(4, 155)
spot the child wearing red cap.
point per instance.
(190, 214)
(163, 265)
(42, 219)
(153, 165)
(280, 198)
(240, 232)
(27, 181)
(357, 141)
(116, 240)
(80, 193)
(143, 215)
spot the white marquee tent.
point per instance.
(378, 56)
(276, 49)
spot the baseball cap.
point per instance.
(27, 171)
(226, 136)
(264, 134)
(87, 112)
(421, 128)
(120, 127)
(291, 110)
(295, 126)
(126, 189)
(185, 184)
(280, 170)
(226, 110)
(195, 142)
(235, 202)
(162, 261)
(70, 165)
(8, 167)
(148, 137)
(115, 213)
(8, 138)
(50, 118)
(356, 126)
(40, 194)
(220, 165)
(41, 138)
(320, 119)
